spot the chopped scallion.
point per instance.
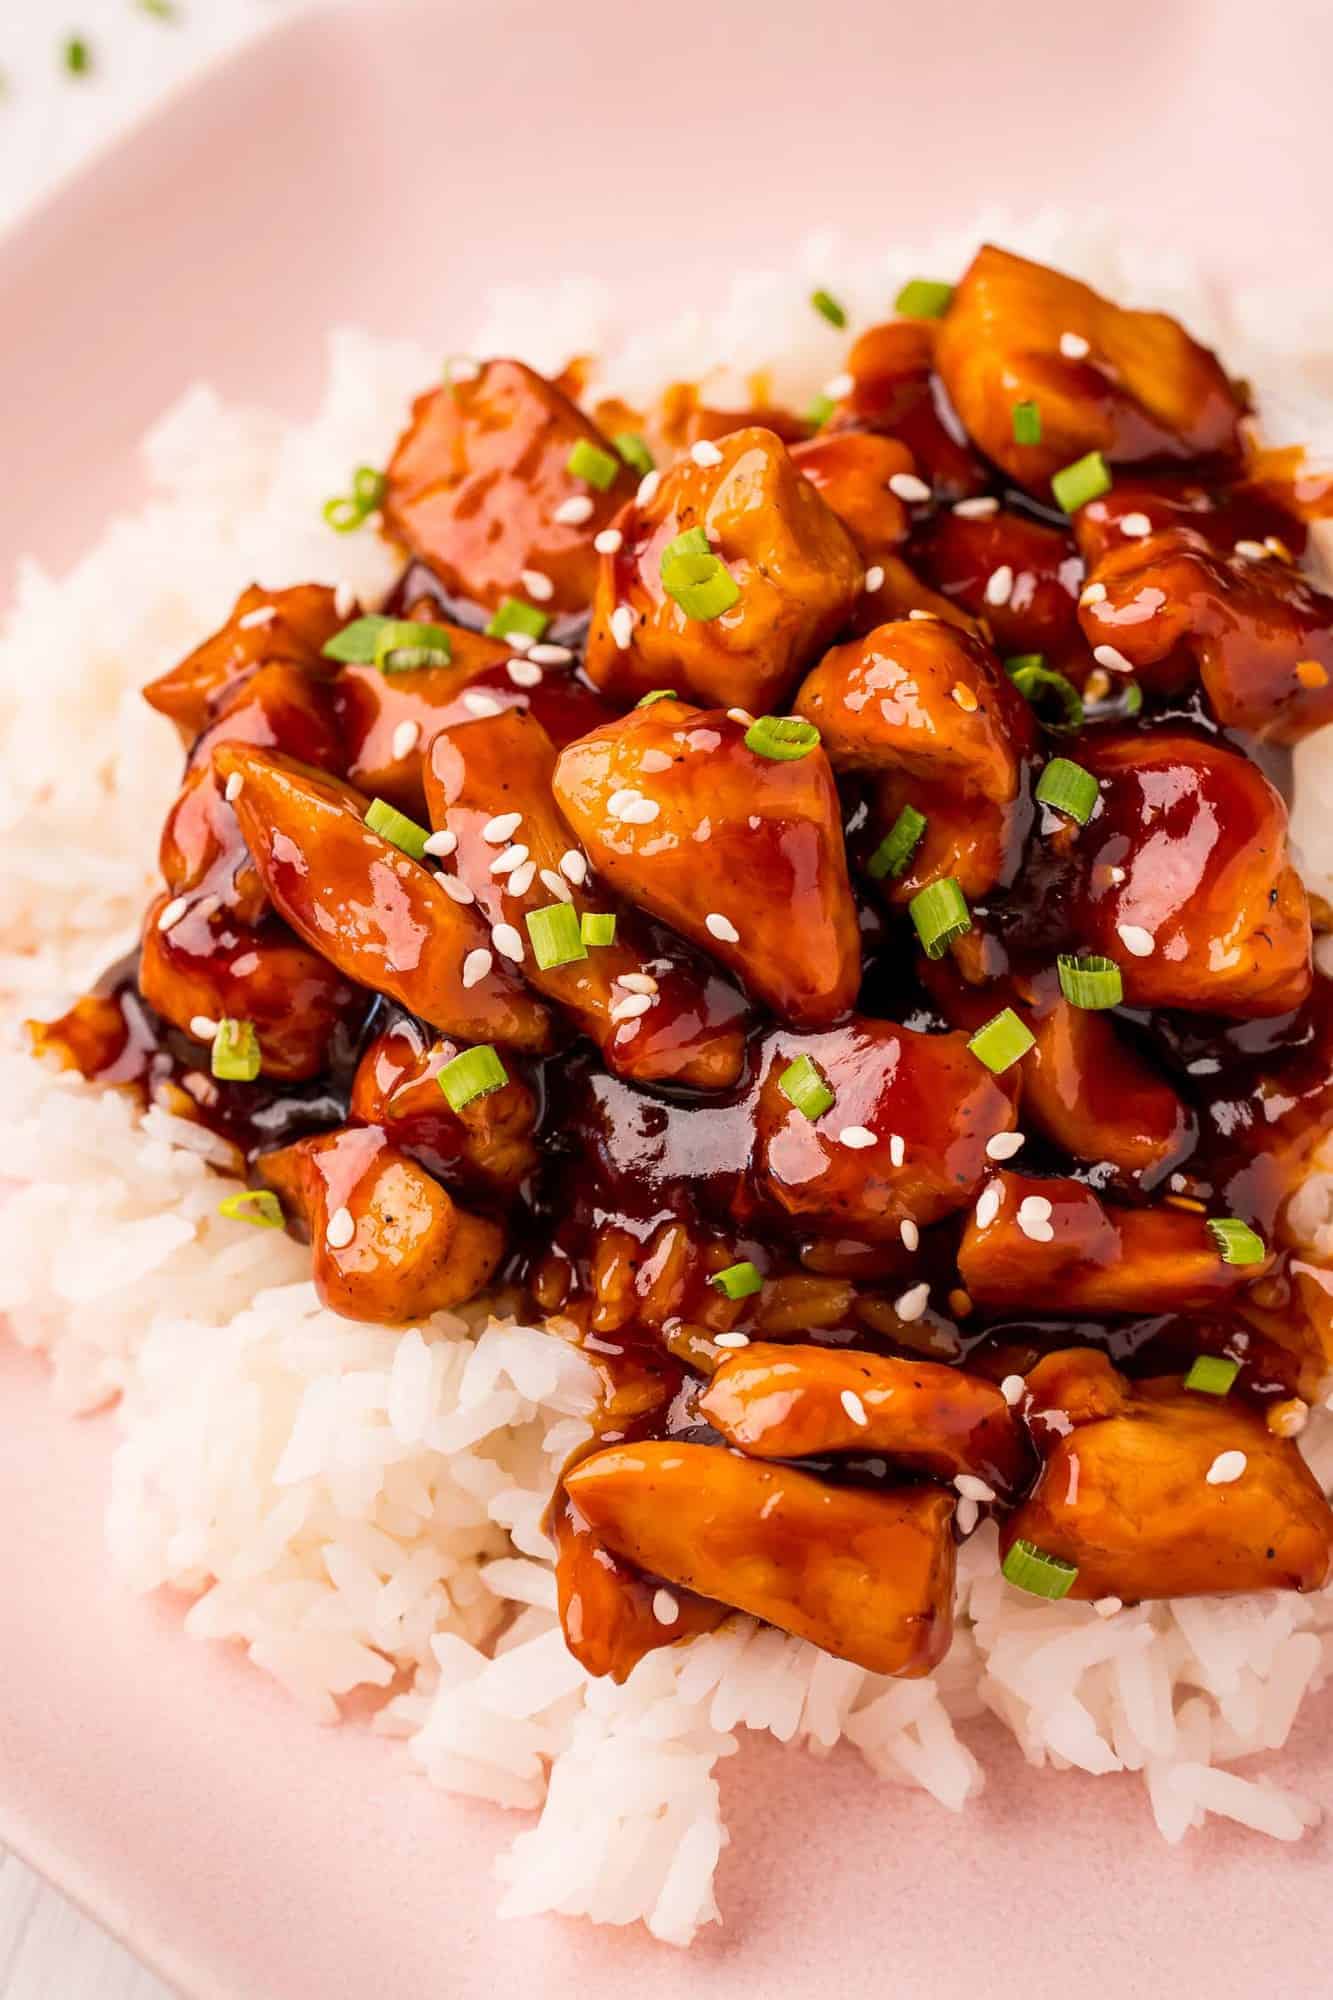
(1236, 1242)
(77, 56)
(898, 845)
(940, 914)
(587, 461)
(1027, 423)
(820, 409)
(1068, 788)
(1029, 1568)
(1090, 982)
(1212, 1374)
(783, 739)
(633, 450)
(1002, 1040)
(825, 304)
(556, 935)
(804, 1085)
(235, 1055)
(351, 510)
(254, 1205)
(474, 1073)
(1055, 700)
(598, 927)
(655, 695)
(397, 828)
(923, 298)
(1086, 479)
(699, 581)
(513, 615)
(375, 641)
(738, 1281)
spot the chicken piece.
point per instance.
(896, 392)
(688, 1025)
(792, 560)
(379, 916)
(681, 419)
(1253, 631)
(1150, 503)
(1021, 576)
(801, 1402)
(1187, 881)
(489, 1143)
(1156, 1491)
(867, 1576)
(205, 965)
(480, 478)
(739, 852)
(927, 1103)
(1052, 1246)
(900, 593)
(303, 618)
(610, 1613)
(378, 712)
(1134, 387)
(854, 471)
(930, 709)
(390, 1246)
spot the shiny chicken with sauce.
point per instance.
(804, 903)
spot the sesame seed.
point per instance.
(609, 542)
(637, 982)
(1074, 347)
(631, 1007)
(480, 704)
(455, 887)
(854, 1407)
(340, 1230)
(967, 1515)
(910, 1234)
(502, 828)
(973, 1488)
(1226, 1468)
(1288, 1418)
(897, 1149)
(508, 942)
(513, 857)
(405, 738)
(1136, 940)
(476, 965)
(1311, 673)
(665, 1608)
(548, 655)
(741, 716)
(1135, 525)
(979, 509)
(856, 1136)
(640, 812)
(173, 913)
(874, 577)
(648, 486)
(1115, 662)
(461, 368)
(265, 615)
(1277, 547)
(912, 1303)
(908, 487)
(557, 885)
(721, 928)
(442, 842)
(1106, 1607)
(731, 1340)
(524, 673)
(988, 1207)
(573, 865)
(537, 584)
(1097, 686)
(619, 799)
(622, 626)
(1034, 1218)
(233, 788)
(522, 878)
(1251, 551)
(572, 513)
(705, 453)
(964, 697)
(1003, 1145)
(344, 601)
(1093, 593)
(917, 613)
(839, 386)
(999, 586)
(1012, 1389)
(203, 1027)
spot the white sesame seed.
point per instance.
(476, 965)
(442, 842)
(522, 879)
(405, 738)
(1003, 1145)
(988, 1207)
(721, 928)
(1136, 525)
(461, 368)
(513, 857)
(631, 1007)
(340, 1230)
(999, 586)
(524, 673)
(1093, 593)
(1074, 347)
(854, 1407)
(455, 887)
(203, 1027)
(572, 513)
(622, 626)
(480, 704)
(964, 697)
(648, 486)
(731, 1340)
(508, 942)
(1226, 1468)
(705, 453)
(265, 615)
(741, 717)
(910, 1234)
(1106, 1607)
(344, 601)
(874, 577)
(1034, 1218)
(967, 1514)
(912, 1303)
(839, 386)
(573, 865)
(619, 799)
(520, 642)
(1012, 1389)
(537, 584)
(548, 655)
(665, 1608)
(918, 614)
(1113, 660)
(1136, 940)
(557, 885)
(609, 542)
(973, 1488)
(979, 509)
(897, 1149)
(637, 982)
(1252, 551)
(233, 788)
(173, 913)
(908, 487)
(856, 1136)
(640, 812)
(502, 828)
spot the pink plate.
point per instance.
(382, 163)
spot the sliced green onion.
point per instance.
(940, 914)
(77, 56)
(1212, 1374)
(161, 10)
(689, 542)
(590, 463)
(1034, 682)
(1029, 1568)
(556, 935)
(1002, 1040)
(699, 581)
(253, 1205)
(923, 298)
(1074, 485)
(474, 1073)
(825, 303)
(235, 1053)
(819, 410)
(738, 1281)
(1027, 423)
(349, 510)
(598, 927)
(1090, 982)
(403, 644)
(1016, 663)
(513, 615)
(633, 450)
(782, 738)
(356, 642)
(1068, 788)
(1133, 698)
(898, 845)
(396, 827)
(1237, 1243)
(803, 1084)
(655, 695)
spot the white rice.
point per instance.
(361, 1507)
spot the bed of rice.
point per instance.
(361, 1507)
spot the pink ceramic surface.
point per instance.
(379, 163)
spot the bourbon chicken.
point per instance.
(801, 904)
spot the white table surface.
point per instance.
(50, 122)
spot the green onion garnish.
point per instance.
(654, 695)
(1133, 698)
(700, 582)
(349, 510)
(1074, 485)
(1027, 423)
(1237, 1243)
(1030, 1568)
(940, 914)
(356, 642)
(235, 1054)
(1212, 1374)
(1002, 1040)
(633, 450)
(923, 298)
(253, 1205)
(161, 10)
(820, 409)
(1090, 982)
(782, 738)
(404, 645)
(738, 1281)
(898, 845)
(598, 927)
(590, 463)
(804, 1085)
(556, 935)
(1042, 687)
(474, 1073)
(77, 56)
(396, 827)
(825, 303)
(513, 615)
(689, 542)
(1066, 787)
